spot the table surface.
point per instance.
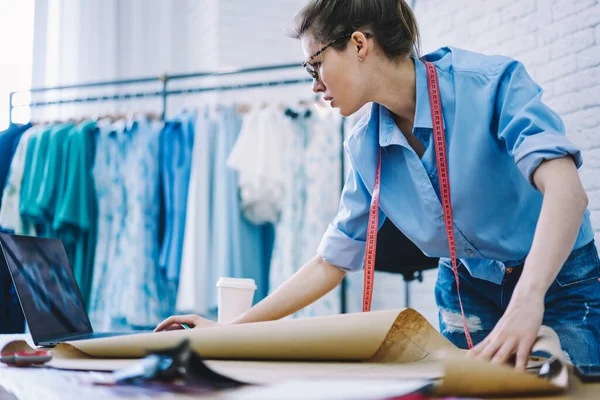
(46, 383)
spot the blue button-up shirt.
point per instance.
(498, 131)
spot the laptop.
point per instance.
(47, 290)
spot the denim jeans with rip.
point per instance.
(572, 304)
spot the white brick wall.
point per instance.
(557, 40)
(559, 43)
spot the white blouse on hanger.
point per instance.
(258, 157)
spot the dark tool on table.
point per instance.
(179, 365)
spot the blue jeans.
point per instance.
(572, 304)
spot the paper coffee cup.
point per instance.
(235, 297)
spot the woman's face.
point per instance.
(341, 75)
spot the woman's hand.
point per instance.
(174, 323)
(515, 333)
(563, 208)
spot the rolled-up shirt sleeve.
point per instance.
(532, 131)
(343, 244)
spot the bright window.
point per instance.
(16, 55)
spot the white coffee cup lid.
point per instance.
(238, 283)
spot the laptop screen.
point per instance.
(46, 287)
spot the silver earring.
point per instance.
(360, 58)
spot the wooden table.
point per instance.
(45, 383)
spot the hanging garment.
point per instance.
(244, 158)
(10, 216)
(238, 244)
(176, 146)
(257, 157)
(11, 315)
(9, 140)
(312, 176)
(196, 271)
(140, 283)
(219, 241)
(127, 283)
(110, 192)
(289, 245)
(54, 168)
(76, 216)
(323, 187)
(33, 179)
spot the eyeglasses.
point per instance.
(314, 70)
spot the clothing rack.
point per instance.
(165, 93)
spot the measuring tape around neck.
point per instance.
(442, 167)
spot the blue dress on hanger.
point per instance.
(110, 192)
(140, 286)
(176, 146)
(197, 272)
(238, 249)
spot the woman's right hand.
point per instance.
(313, 281)
(193, 321)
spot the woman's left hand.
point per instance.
(515, 333)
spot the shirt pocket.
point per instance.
(582, 266)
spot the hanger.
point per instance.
(243, 108)
(153, 116)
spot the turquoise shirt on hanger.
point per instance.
(498, 131)
(76, 216)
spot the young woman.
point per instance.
(523, 234)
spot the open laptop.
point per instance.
(47, 290)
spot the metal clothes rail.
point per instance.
(165, 93)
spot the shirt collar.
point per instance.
(423, 106)
(389, 132)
